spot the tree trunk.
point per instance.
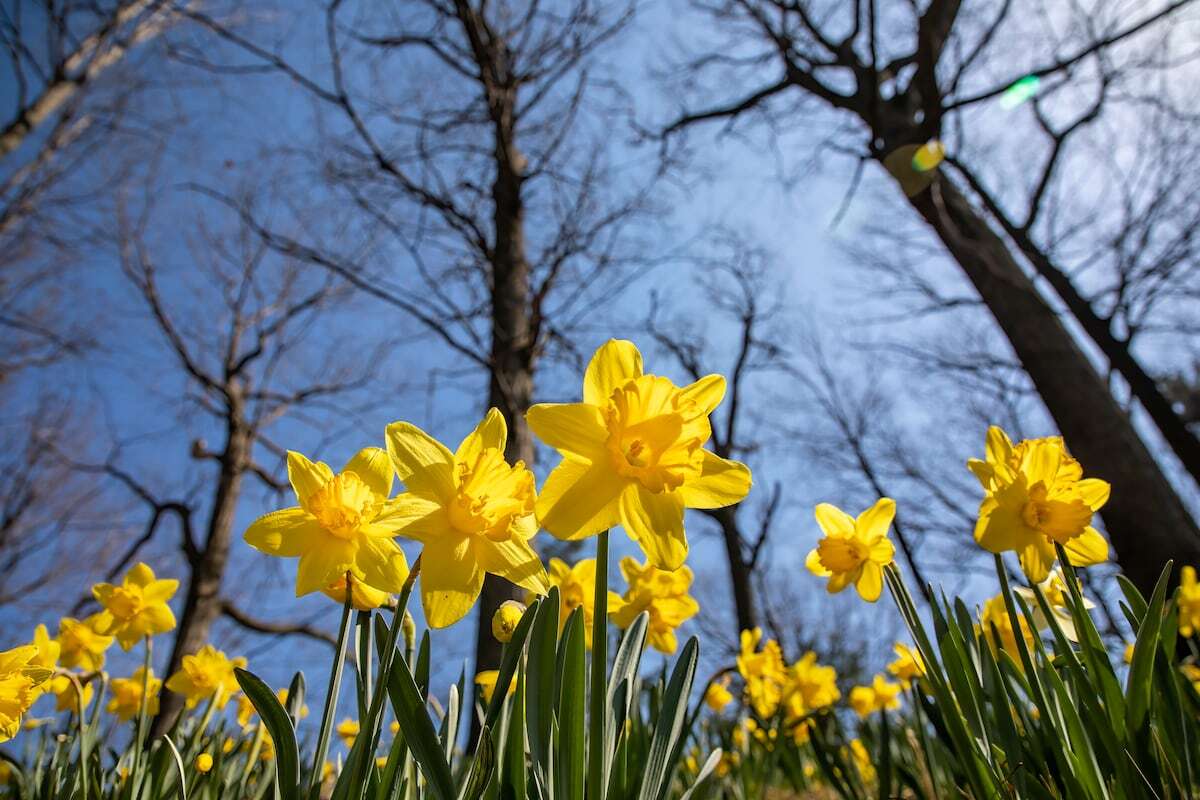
(1146, 521)
(745, 611)
(202, 605)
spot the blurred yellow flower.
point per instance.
(19, 681)
(506, 619)
(381, 761)
(724, 765)
(204, 762)
(347, 730)
(228, 745)
(1187, 597)
(994, 622)
(394, 727)
(282, 697)
(486, 681)
(344, 524)
(633, 454)
(1056, 592)
(208, 673)
(362, 597)
(266, 750)
(576, 589)
(881, 695)
(763, 672)
(862, 760)
(854, 551)
(66, 698)
(137, 608)
(81, 646)
(810, 687)
(245, 711)
(662, 593)
(471, 510)
(718, 695)
(1192, 673)
(908, 666)
(127, 695)
(1036, 496)
(1127, 656)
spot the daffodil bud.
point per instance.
(409, 628)
(506, 618)
(204, 762)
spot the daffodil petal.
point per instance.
(491, 432)
(451, 580)
(998, 446)
(290, 532)
(573, 429)
(1087, 548)
(412, 516)
(306, 477)
(875, 521)
(882, 551)
(324, 564)
(140, 575)
(372, 466)
(513, 560)
(615, 362)
(421, 462)
(814, 565)
(982, 470)
(655, 520)
(380, 564)
(160, 591)
(999, 528)
(833, 521)
(706, 393)
(1036, 559)
(1094, 492)
(579, 500)
(721, 483)
(870, 582)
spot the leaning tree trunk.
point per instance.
(202, 603)
(1145, 518)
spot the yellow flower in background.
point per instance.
(229, 745)
(1056, 592)
(854, 551)
(486, 681)
(506, 619)
(80, 645)
(208, 673)
(663, 593)
(908, 666)
(1127, 656)
(862, 760)
(66, 698)
(763, 672)
(472, 511)
(19, 682)
(127, 695)
(137, 608)
(204, 762)
(245, 712)
(1036, 496)
(881, 695)
(282, 697)
(344, 524)
(394, 727)
(717, 696)
(1192, 673)
(633, 455)
(994, 622)
(810, 687)
(1187, 597)
(576, 589)
(46, 657)
(347, 730)
(381, 761)
(362, 597)
(266, 750)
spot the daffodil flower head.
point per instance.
(881, 695)
(81, 646)
(662, 593)
(208, 673)
(576, 589)
(997, 628)
(1187, 597)
(633, 455)
(137, 608)
(472, 511)
(344, 524)
(908, 666)
(763, 672)
(718, 696)
(126, 699)
(486, 681)
(19, 682)
(347, 730)
(506, 619)
(810, 687)
(1036, 497)
(204, 763)
(66, 697)
(854, 551)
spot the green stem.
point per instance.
(135, 773)
(84, 739)
(597, 757)
(331, 696)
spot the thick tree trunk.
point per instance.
(1145, 518)
(745, 611)
(202, 603)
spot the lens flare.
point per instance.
(928, 156)
(1020, 91)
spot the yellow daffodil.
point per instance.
(663, 593)
(854, 551)
(126, 699)
(344, 524)
(506, 619)
(204, 762)
(81, 646)
(576, 589)
(1192, 673)
(362, 597)
(245, 712)
(862, 760)
(486, 681)
(724, 765)
(471, 510)
(229, 745)
(1056, 592)
(763, 672)
(137, 608)
(282, 697)
(1187, 597)
(19, 682)
(381, 761)
(1036, 496)
(1127, 656)
(66, 696)
(46, 657)
(908, 666)
(394, 727)
(881, 695)
(997, 628)
(810, 687)
(266, 750)
(208, 673)
(717, 696)
(347, 730)
(633, 454)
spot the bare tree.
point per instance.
(899, 75)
